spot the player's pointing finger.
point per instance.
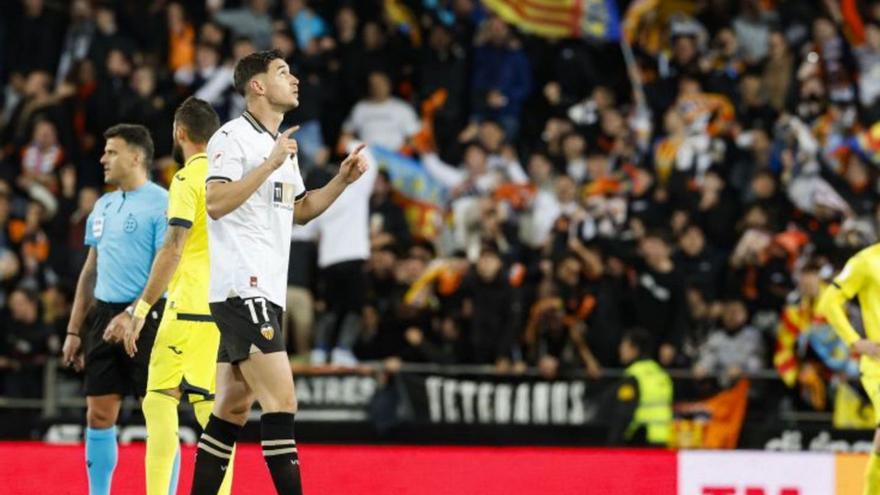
(289, 131)
(357, 149)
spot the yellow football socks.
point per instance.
(160, 412)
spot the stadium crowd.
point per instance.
(704, 188)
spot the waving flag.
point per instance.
(593, 19)
(713, 423)
(409, 177)
(421, 197)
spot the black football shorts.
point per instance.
(247, 326)
(108, 369)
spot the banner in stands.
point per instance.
(334, 397)
(480, 410)
(501, 400)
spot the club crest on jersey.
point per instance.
(253, 281)
(267, 331)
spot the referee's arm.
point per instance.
(85, 292)
(82, 301)
(318, 200)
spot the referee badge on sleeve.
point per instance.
(98, 227)
(267, 331)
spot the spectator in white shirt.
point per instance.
(381, 119)
(868, 58)
(343, 250)
(732, 350)
(477, 175)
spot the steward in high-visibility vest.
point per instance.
(643, 399)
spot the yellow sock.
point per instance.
(872, 475)
(160, 412)
(203, 412)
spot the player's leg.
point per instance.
(199, 382)
(105, 383)
(232, 403)
(270, 377)
(156, 372)
(162, 460)
(160, 406)
(872, 470)
(101, 449)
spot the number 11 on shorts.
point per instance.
(251, 306)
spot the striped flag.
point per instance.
(421, 197)
(593, 19)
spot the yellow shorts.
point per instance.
(184, 355)
(872, 387)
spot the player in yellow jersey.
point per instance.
(860, 278)
(184, 355)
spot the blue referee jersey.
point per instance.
(127, 229)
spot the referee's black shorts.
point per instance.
(109, 370)
(247, 326)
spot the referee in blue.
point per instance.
(124, 231)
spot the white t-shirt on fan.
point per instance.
(387, 124)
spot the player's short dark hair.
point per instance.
(133, 135)
(251, 65)
(641, 339)
(199, 119)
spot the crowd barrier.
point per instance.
(462, 405)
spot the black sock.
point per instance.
(213, 455)
(279, 449)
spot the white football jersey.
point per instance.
(250, 246)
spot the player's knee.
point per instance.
(236, 414)
(172, 392)
(289, 404)
(286, 403)
(100, 418)
(234, 411)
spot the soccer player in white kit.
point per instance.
(254, 194)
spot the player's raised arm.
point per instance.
(225, 194)
(315, 202)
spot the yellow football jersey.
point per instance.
(859, 278)
(188, 290)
